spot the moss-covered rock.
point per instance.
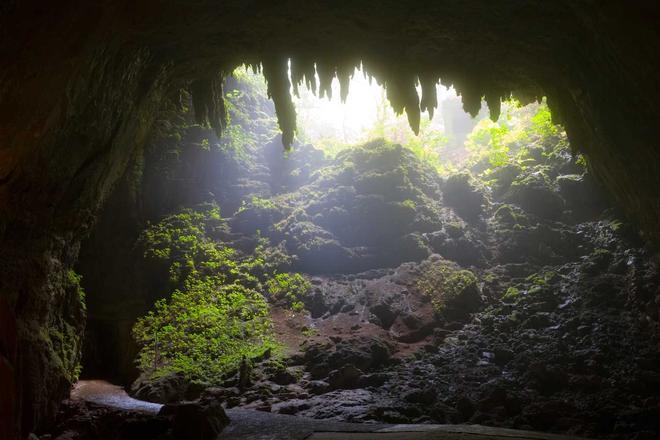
(461, 192)
(352, 213)
(509, 216)
(584, 198)
(455, 292)
(536, 194)
(502, 177)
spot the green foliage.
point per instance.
(488, 139)
(258, 203)
(262, 203)
(73, 282)
(542, 125)
(543, 279)
(204, 331)
(252, 120)
(511, 294)
(429, 147)
(179, 238)
(507, 216)
(216, 314)
(62, 335)
(309, 332)
(581, 161)
(507, 140)
(410, 204)
(290, 288)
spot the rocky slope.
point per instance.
(519, 301)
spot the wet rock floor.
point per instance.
(249, 424)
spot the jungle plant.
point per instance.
(217, 314)
(506, 140)
(289, 288)
(204, 331)
(511, 294)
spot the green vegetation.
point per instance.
(251, 115)
(489, 146)
(217, 313)
(290, 288)
(309, 332)
(428, 146)
(180, 240)
(204, 331)
(73, 282)
(451, 289)
(511, 294)
(506, 140)
(507, 216)
(543, 279)
(63, 334)
(259, 203)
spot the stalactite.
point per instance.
(494, 105)
(303, 72)
(276, 72)
(400, 85)
(527, 96)
(326, 72)
(429, 100)
(344, 75)
(402, 94)
(471, 97)
(208, 102)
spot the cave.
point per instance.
(92, 92)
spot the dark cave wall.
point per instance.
(71, 116)
(607, 101)
(81, 81)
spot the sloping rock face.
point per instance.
(80, 83)
(366, 209)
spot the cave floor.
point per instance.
(249, 424)
(253, 425)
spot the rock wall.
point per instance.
(80, 82)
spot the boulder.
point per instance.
(199, 420)
(346, 377)
(461, 193)
(167, 389)
(536, 195)
(583, 197)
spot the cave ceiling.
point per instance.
(62, 58)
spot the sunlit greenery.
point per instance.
(252, 121)
(217, 313)
(518, 127)
(290, 288)
(332, 127)
(204, 330)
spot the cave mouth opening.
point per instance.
(367, 275)
(81, 87)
